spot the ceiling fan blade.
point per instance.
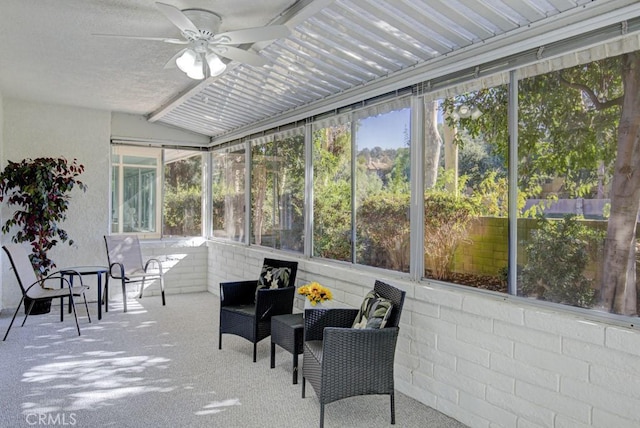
(172, 62)
(239, 55)
(249, 35)
(178, 18)
(157, 39)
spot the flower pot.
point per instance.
(39, 307)
(308, 305)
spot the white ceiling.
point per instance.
(48, 52)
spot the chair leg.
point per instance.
(273, 355)
(105, 298)
(13, 319)
(254, 352)
(141, 289)
(393, 409)
(124, 296)
(75, 314)
(162, 290)
(28, 312)
(304, 382)
(321, 415)
(87, 306)
(219, 339)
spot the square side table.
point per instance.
(286, 331)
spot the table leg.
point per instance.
(99, 296)
(71, 284)
(295, 368)
(273, 355)
(61, 300)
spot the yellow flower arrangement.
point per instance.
(315, 292)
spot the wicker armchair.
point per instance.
(340, 361)
(246, 310)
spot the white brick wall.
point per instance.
(184, 262)
(487, 360)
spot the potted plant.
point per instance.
(39, 189)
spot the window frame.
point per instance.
(121, 151)
(442, 87)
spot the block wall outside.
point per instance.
(487, 250)
(485, 359)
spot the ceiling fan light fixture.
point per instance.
(196, 71)
(187, 60)
(216, 66)
(199, 29)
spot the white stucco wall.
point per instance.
(485, 359)
(34, 130)
(41, 130)
(2, 162)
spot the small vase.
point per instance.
(308, 305)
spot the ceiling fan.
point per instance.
(199, 28)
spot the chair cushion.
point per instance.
(374, 311)
(273, 277)
(248, 310)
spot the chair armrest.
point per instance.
(53, 292)
(61, 276)
(154, 261)
(274, 301)
(119, 270)
(316, 320)
(237, 293)
(353, 355)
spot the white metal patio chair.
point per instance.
(125, 264)
(54, 286)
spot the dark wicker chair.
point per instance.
(247, 313)
(340, 361)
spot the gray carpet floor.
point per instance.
(160, 366)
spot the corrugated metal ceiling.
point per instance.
(347, 44)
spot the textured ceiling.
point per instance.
(48, 52)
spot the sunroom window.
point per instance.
(135, 195)
(277, 191)
(228, 215)
(156, 192)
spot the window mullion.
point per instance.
(353, 191)
(512, 113)
(416, 212)
(308, 209)
(247, 192)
